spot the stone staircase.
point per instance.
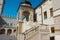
(30, 33)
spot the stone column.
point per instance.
(6, 31)
(13, 32)
(19, 35)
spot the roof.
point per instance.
(2, 22)
(26, 2)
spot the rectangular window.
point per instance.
(52, 30)
(35, 17)
(51, 12)
(45, 15)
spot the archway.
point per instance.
(26, 14)
(9, 31)
(2, 31)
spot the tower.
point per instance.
(25, 11)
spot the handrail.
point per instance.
(30, 33)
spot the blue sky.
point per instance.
(11, 6)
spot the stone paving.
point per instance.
(6, 37)
(40, 36)
(36, 37)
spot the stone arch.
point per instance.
(26, 14)
(2, 31)
(9, 31)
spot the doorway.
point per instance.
(52, 38)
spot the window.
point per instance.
(10, 24)
(51, 12)
(35, 17)
(52, 30)
(26, 14)
(45, 15)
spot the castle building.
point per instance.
(45, 19)
(7, 24)
(26, 11)
(48, 18)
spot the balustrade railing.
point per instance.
(30, 33)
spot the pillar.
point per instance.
(19, 30)
(6, 31)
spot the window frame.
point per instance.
(45, 15)
(51, 12)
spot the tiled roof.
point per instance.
(2, 22)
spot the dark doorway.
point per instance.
(2, 31)
(52, 38)
(9, 31)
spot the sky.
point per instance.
(11, 7)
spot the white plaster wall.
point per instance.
(25, 26)
(57, 37)
(49, 21)
(56, 13)
(57, 19)
(46, 7)
(56, 4)
(57, 22)
(38, 12)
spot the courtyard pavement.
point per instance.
(6, 37)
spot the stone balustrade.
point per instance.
(30, 33)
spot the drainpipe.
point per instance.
(41, 22)
(41, 16)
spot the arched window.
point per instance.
(26, 14)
